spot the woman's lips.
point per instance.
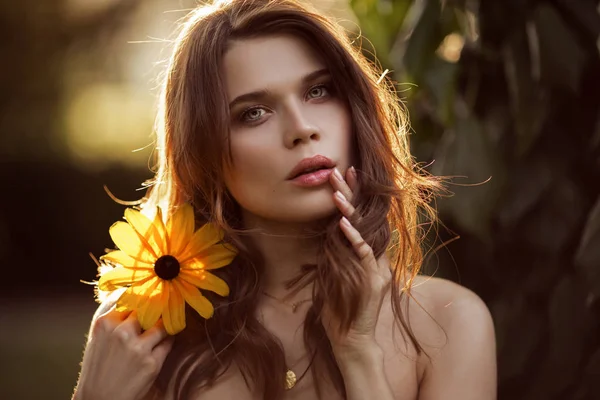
(314, 178)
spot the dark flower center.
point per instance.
(166, 267)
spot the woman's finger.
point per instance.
(114, 316)
(155, 335)
(343, 204)
(161, 351)
(133, 322)
(129, 328)
(106, 322)
(352, 179)
(361, 248)
(338, 183)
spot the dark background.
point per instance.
(503, 89)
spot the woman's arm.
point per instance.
(358, 355)
(120, 361)
(464, 367)
(363, 373)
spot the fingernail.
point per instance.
(337, 174)
(340, 196)
(345, 221)
(353, 170)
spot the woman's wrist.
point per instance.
(360, 353)
(362, 367)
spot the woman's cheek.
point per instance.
(254, 171)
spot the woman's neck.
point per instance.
(285, 247)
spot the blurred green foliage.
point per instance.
(504, 96)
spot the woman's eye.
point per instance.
(317, 91)
(252, 114)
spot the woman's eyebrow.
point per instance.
(315, 75)
(259, 95)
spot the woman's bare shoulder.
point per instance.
(440, 292)
(456, 330)
(437, 306)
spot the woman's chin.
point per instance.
(311, 211)
(304, 208)
(314, 215)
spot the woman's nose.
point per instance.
(299, 128)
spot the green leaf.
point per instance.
(396, 16)
(440, 80)
(373, 29)
(423, 41)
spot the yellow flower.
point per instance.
(163, 265)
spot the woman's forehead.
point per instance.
(267, 63)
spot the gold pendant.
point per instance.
(290, 379)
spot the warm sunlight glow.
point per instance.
(105, 123)
(451, 47)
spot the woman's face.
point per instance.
(283, 110)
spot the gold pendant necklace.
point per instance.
(290, 379)
(293, 305)
(290, 376)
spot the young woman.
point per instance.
(277, 130)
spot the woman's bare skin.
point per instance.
(441, 326)
(410, 376)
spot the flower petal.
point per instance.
(205, 280)
(127, 239)
(180, 229)
(159, 223)
(174, 313)
(151, 308)
(120, 276)
(121, 258)
(149, 231)
(202, 239)
(127, 302)
(194, 298)
(135, 295)
(215, 257)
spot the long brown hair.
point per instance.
(192, 149)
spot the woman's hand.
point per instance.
(361, 336)
(121, 362)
